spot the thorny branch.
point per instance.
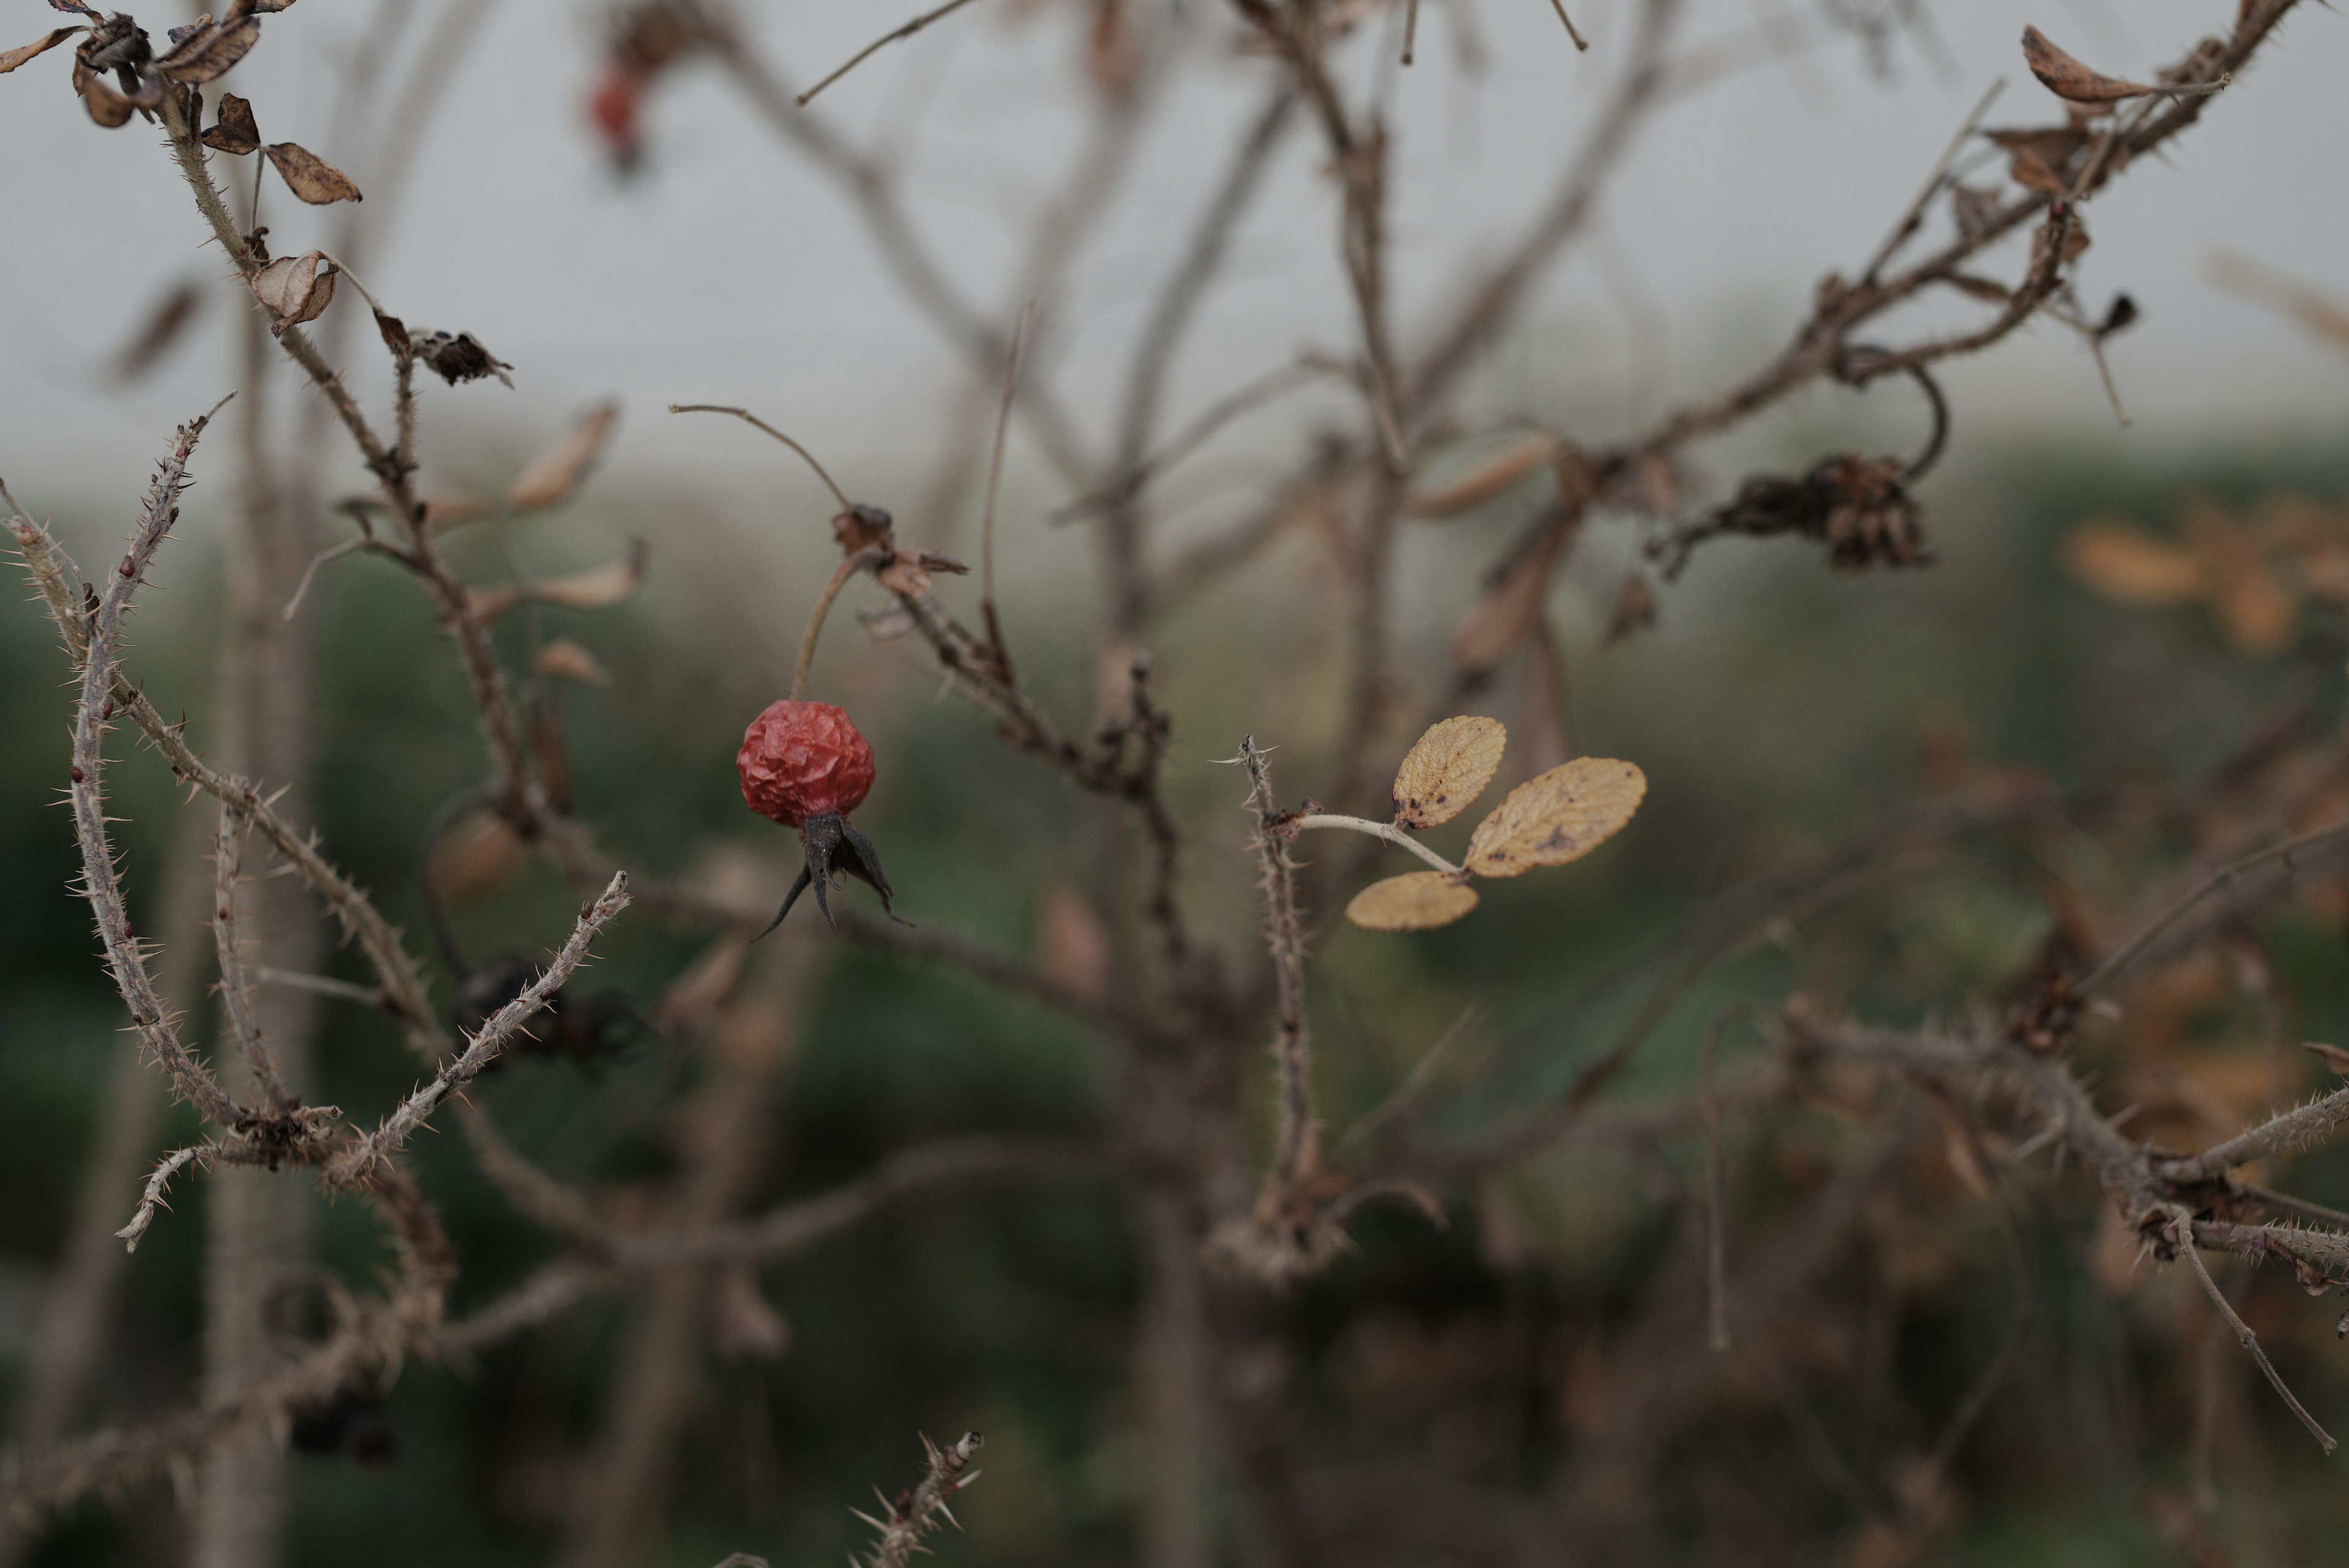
(2172, 1201)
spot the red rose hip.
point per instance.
(804, 765)
(801, 760)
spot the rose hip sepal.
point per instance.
(804, 765)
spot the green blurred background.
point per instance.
(1772, 706)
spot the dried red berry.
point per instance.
(803, 759)
(804, 765)
(617, 108)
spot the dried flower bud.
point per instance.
(459, 358)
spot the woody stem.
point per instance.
(1387, 831)
(846, 570)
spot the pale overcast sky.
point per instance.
(734, 272)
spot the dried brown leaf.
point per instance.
(1634, 608)
(606, 584)
(905, 576)
(296, 289)
(1981, 287)
(2055, 143)
(487, 604)
(1492, 631)
(554, 474)
(1495, 476)
(309, 176)
(1451, 765)
(591, 589)
(2333, 1056)
(1074, 946)
(1556, 817)
(567, 661)
(1414, 902)
(477, 855)
(744, 1327)
(33, 50)
(453, 511)
(106, 106)
(1112, 55)
(234, 131)
(862, 527)
(209, 49)
(2132, 567)
(1975, 208)
(161, 330)
(1658, 487)
(2068, 80)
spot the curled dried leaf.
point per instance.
(1447, 770)
(296, 289)
(2068, 80)
(554, 474)
(106, 106)
(567, 661)
(1414, 902)
(309, 176)
(33, 50)
(233, 130)
(2132, 567)
(1557, 816)
(207, 49)
(1495, 476)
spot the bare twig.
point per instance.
(235, 989)
(190, 1080)
(897, 34)
(917, 1512)
(2182, 1229)
(987, 602)
(374, 1150)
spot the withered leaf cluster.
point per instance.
(1554, 817)
(1858, 507)
(904, 572)
(117, 72)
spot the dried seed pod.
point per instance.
(458, 358)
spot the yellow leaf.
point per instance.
(2132, 567)
(1415, 901)
(1557, 816)
(1447, 770)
